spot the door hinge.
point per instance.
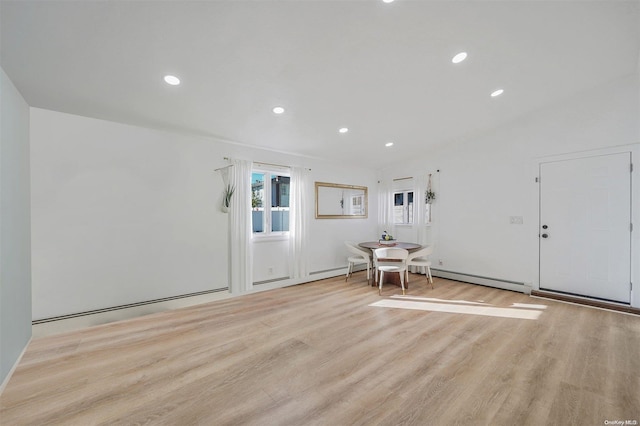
(631, 227)
(631, 167)
(537, 179)
(631, 286)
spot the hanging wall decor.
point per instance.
(228, 193)
(228, 188)
(429, 195)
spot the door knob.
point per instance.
(545, 235)
(544, 226)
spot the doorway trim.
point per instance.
(533, 228)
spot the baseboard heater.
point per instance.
(481, 280)
(273, 280)
(130, 305)
(341, 269)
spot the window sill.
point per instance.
(257, 238)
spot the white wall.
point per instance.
(124, 214)
(488, 178)
(15, 251)
(326, 236)
(120, 214)
(326, 233)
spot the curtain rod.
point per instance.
(222, 168)
(265, 164)
(404, 178)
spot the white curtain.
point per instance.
(300, 203)
(240, 256)
(385, 208)
(420, 220)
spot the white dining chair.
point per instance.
(421, 258)
(358, 256)
(390, 260)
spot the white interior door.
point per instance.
(585, 226)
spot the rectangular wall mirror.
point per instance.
(337, 201)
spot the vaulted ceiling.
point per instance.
(383, 70)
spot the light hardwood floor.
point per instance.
(328, 353)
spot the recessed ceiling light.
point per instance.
(278, 110)
(172, 80)
(388, 144)
(343, 130)
(459, 57)
(387, 1)
(497, 93)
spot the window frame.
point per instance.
(267, 217)
(408, 208)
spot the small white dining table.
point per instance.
(372, 245)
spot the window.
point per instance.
(270, 202)
(403, 207)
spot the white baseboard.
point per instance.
(13, 369)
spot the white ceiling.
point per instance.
(382, 70)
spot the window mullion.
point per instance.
(267, 203)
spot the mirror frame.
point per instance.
(342, 216)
